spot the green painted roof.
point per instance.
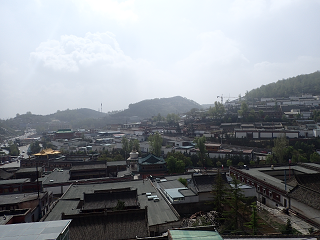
(194, 234)
(151, 159)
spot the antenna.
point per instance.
(101, 107)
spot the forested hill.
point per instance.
(76, 114)
(295, 86)
(164, 106)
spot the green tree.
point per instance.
(155, 142)
(158, 118)
(229, 162)
(174, 165)
(183, 181)
(280, 146)
(219, 194)
(14, 150)
(217, 111)
(234, 217)
(200, 145)
(35, 147)
(172, 119)
(125, 145)
(315, 157)
(134, 145)
(244, 110)
(288, 229)
(253, 224)
(118, 157)
(179, 156)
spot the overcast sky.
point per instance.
(56, 55)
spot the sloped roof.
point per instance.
(151, 159)
(4, 175)
(203, 183)
(112, 225)
(311, 181)
(46, 152)
(306, 195)
(108, 200)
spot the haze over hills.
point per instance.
(88, 118)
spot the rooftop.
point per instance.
(113, 225)
(158, 212)
(88, 167)
(57, 176)
(265, 174)
(35, 230)
(46, 152)
(14, 181)
(203, 183)
(306, 196)
(109, 200)
(151, 159)
(15, 198)
(29, 170)
(193, 234)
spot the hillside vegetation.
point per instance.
(164, 106)
(76, 114)
(295, 86)
(88, 118)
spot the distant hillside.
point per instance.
(164, 106)
(76, 115)
(295, 86)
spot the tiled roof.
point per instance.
(111, 225)
(109, 200)
(151, 159)
(4, 174)
(311, 181)
(158, 212)
(306, 196)
(204, 183)
(88, 167)
(46, 152)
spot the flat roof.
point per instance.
(116, 163)
(174, 192)
(171, 184)
(176, 177)
(29, 170)
(68, 207)
(56, 177)
(14, 181)
(158, 212)
(14, 198)
(34, 230)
